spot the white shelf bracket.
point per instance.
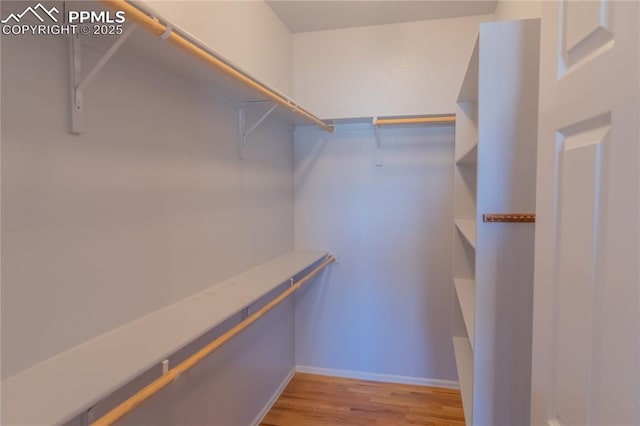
(242, 123)
(378, 132)
(79, 83)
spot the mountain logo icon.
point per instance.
(16, 17)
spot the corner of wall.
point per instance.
(508, 10)
(274, 397)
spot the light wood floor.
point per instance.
(311, 400)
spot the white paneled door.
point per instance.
(586, 349)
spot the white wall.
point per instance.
(407, 68)
(148, 206)
(248, 33)
(518, 9)
(386, 307)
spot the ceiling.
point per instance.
(312, 15)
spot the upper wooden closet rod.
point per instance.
(159, 28)
(444, 119)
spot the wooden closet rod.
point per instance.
(158, 29)
(415, 120)
(152, 388)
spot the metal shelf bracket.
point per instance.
(243, 132)
(79, 83)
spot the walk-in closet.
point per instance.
(311, 213)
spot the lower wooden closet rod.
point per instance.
(152, 388)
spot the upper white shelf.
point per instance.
(470, 156)
(60, 388)
(467, 228)
(186, 56)
(469, 90)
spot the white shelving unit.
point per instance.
(60, 388)
(495, 152)
(466, 155)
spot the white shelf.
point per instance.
(464, 364)
(58, 389)
(469, 90)
(466, 292)
(467, 228)
(144, 46)
(470, 156)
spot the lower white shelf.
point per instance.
(464, 363)
(466, 292)
(470, 156)
(58, 389)
(467, 228)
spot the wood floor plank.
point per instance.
(313, 400)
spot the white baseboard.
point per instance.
(376, 377)
(274, 398)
